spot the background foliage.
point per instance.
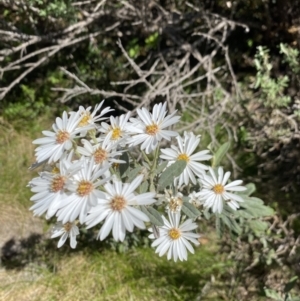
(230, 67)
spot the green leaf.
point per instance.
(29, 92)
(190, 210)
(220, 153)
(290, 284)
(124, 166)
(36, 165)
(273, 295)
(133, 173)
(219, 228)
(173, 171)
(154, 215)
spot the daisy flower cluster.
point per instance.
(116, 173)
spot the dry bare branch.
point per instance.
(189, 77)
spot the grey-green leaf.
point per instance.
(173, 171)
(154, 215)
(206, 213)
(144, 187)
(190, 210)
(145, 164)
(231, 224)
(256, 207)
(250, 189)
(133, 173)
(220, 153)
(258, 226)
(161, 167)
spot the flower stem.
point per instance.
(152, 170)
(146, 158)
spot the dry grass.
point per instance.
(107, 275)
(16, 153)
(17, 223)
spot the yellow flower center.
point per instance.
(174, 233)
(183, 157)
(85, 188)
(117, 203)
(218, 189)
(85, 119)
(58, 183)
(62, 136)
(152, 129)
(68, 226)
(116, 133)
(100, 155)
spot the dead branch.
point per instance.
(198, 82)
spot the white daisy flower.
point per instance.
(118, 211)
(50, 188)
(215, 191)
(185, 152)
(54, 145)
(117, 131)
(175, 238)
(150, 128)
(102, 153)
(83, 192)
(65, 231)
(90, 118)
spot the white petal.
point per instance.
(73, 241)
(163, 248)
(62, 239)
(226, 177)
(127, 221)
(117, 226)
(188, 245)
(107, 226)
